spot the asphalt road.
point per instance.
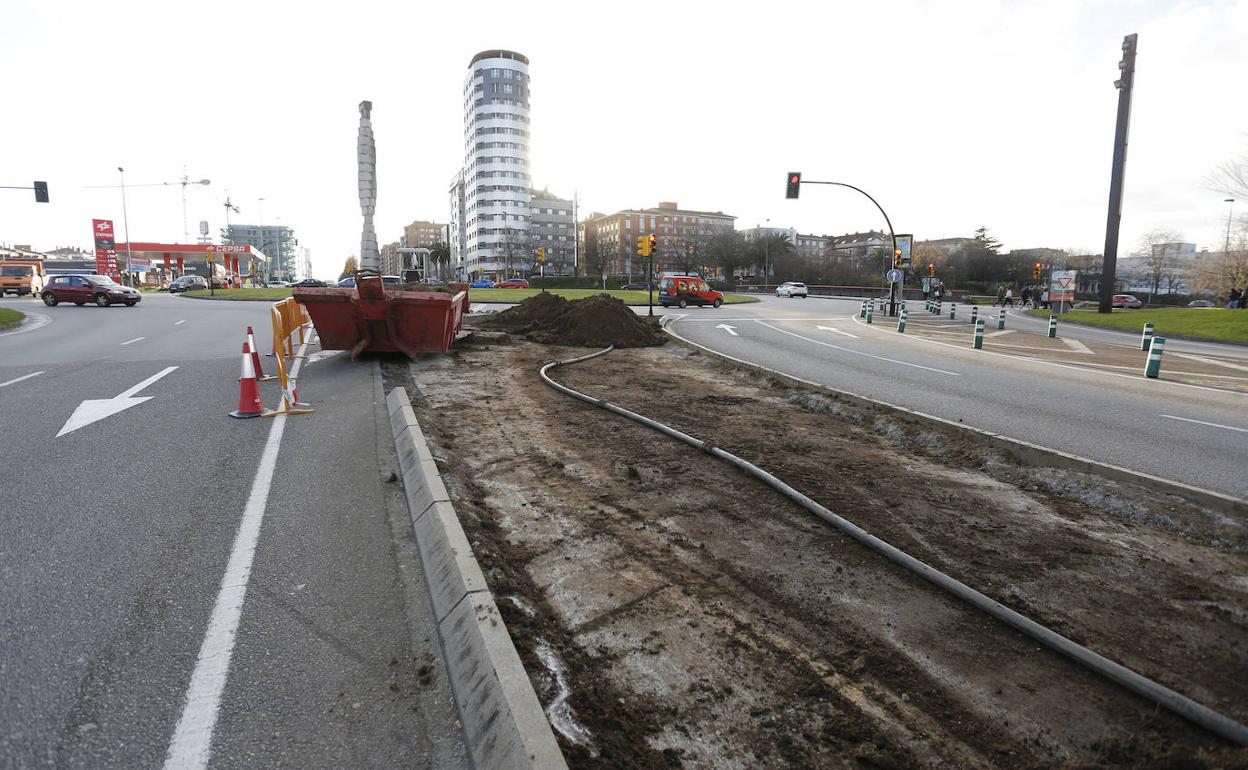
(115, 537)
(1099, 415)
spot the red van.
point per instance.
(685, 290)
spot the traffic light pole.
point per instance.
(892, 292)
(650, 283)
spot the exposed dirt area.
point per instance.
(599, 321)
(700, 619)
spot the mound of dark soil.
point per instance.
(595, 321)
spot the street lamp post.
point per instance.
(1226, 247)
(125, 220)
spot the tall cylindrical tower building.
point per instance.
(495, 183)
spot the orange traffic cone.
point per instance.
(255, 358)
(249, 403)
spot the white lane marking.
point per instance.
(1077, 346)
(858, 352)
(730, 329)
(192, 738)
(131, 391)
(33, 321)
(721, 319)
(321, 355)
(1202, 422)
(838, 331)
(136, 339)
(1000, 333)
(96, 409)
(1213, 361)
(19, 379)
(179, 323)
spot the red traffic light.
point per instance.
(793, 184)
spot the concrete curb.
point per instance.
(504, 723)
(1023, 451)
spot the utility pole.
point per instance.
(1124, 85)
(1226, 247)
(125, 220)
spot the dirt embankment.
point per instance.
(700, 619)
(598, 321)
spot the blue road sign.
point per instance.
(893, 276)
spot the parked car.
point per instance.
(277, 284)
(310, 283)
(685, 290)
(1201, 303)
(635, 287)
(792, 289)
(1127, 301)
(187, 283)
(81, 289)
(348, 283)
(481, 283)
(391, 280)
(512, 283)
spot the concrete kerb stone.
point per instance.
(450, 568)
(504, 723)
(1022, 451)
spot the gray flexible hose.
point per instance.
(1141, 685)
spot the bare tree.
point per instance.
(1157, 255)
(1231, 177)
(1220, 272)
(515, 248)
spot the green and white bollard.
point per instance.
(1153, 367)
(1052, 326)
(869, 309)
(1001, 320)
(862, 309)
(1147, 338)
(901, 322)
(974, 313)
(953, 311)
(979, 334)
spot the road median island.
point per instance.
(247, 295)
(1205, 324)
(698, 617)
(10, 319)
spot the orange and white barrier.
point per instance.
(283, 315)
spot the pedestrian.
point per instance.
(1008, 299)
(1044, 299)
(1235, 298)
(940, 291)
(1026, 295)
(1000, 296)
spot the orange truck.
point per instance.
(21, 277)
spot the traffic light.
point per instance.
(794, 184)
(931, 269)
(897, 257)
(643, 246)
(41, 192)
(1036, 271)
(541, 253)
(691, 249)
(654, 244)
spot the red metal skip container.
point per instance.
(374, 318)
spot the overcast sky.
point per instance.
(952, 114)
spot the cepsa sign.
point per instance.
(243, 249)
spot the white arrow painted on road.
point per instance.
(838, 331)
(93, 410)
(730, 329)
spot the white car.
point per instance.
(791, 289)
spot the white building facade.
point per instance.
(490, 196)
